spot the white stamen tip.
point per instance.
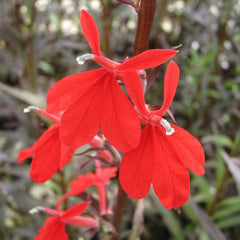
(26, 110)
(35, 210)
(167, 126)
(81, 59)
(29, 109)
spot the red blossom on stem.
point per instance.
(81, 103)
(50, 154)
(99, 179)
(164, 154)
(94, 99)
(54, 227)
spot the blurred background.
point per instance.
(39, 41)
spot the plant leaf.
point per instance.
(208, 225)
(24, 95)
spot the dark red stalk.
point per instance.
(144, 27)
(145, 22)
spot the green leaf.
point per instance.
(23, 95)
(229, 222)
(225, 212)
(208, 225)
(228, 201)
(221, 140)
(46, 67)
(233, 164)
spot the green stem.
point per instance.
(219, 192)
(63, 188)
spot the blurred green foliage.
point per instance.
(39, 41)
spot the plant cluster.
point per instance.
(90, 107)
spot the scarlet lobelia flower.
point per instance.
(50, 154)
(94, 99)
(164, 154)
(54, 227)
(99, 179)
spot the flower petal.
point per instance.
(147, 59)
(90, 31)
(188, 148)
(78, 186)
(64, 92)
(136, 167)
(26, 153)
(170, 86)
(66, 155)
(45, 162)
(120, 123)
(135, 90)
(76, 210)
(53, 229)
(81, 121)
(170, 177)
(106, 174)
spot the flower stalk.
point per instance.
(144, 27)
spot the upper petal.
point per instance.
(170, 86)
(53, 229)
(170, 177)
(76, 210)
(78, 186)
(135, 90)
(136, 167)
(90, 31)
(46, 160)
(188, 148)
(106, 174)
(81, 120)
(64, 92)
(147, 59)
(66, 155)
(120, 123)
(26, 153)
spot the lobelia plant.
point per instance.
(83, 103)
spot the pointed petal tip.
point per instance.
(90, 31)
(83, 11)
(24, 154)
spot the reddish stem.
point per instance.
(144, 27)
(145, 22)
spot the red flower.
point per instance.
(50, 154)
(100, 179)
(164, 154)
(94, 99)
(54, 227)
